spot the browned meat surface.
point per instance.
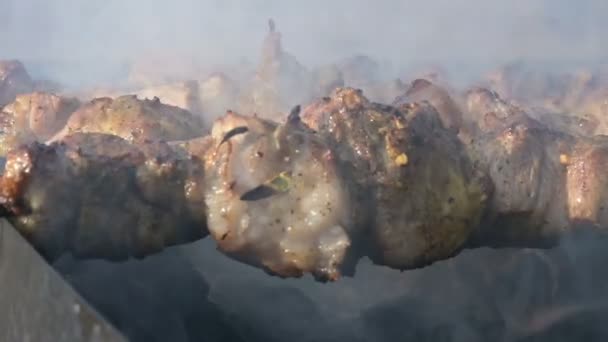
(570, 101)
(423, 90)
(347, 179)
(275, 198)
(546, 182)
(33, 117)
(99, 196)
(14, 80)
(134, 119)
(396, 155)
(307, 194)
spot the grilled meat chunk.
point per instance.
(275, 198)
(133, 119)
(33, 117)
(98, 196)
(423, 196)
(545, 181)
(423, 90)
(348, 178)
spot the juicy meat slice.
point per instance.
(34, 117)
(133, 119)
(98, 196)
(423, 90)
(525, 162)
(275, 198)
(586, 182)
(486, 111)
(413, 176)
(14, 80)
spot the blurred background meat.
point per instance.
(133, 119)
(34, 117)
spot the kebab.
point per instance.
(346, 178)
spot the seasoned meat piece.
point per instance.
(586, 182)
(33, 117)
(486, 110)
(524, 161)
(346, 179)
(134, 119)
(396, 155)
(14, 80)
(423, 90)
(99, 196)
(275, 198)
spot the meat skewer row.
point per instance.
(346, 178)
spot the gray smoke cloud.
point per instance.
(106, 34)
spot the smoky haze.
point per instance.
(480, 295)
(110, 33)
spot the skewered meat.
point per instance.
(423, 90)
(396, 155)
(133, 119)
(570, 101)
(275, 198)
(14, 80)
(99, 196)
(33, 117)
(545, 182)
(346, 179)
